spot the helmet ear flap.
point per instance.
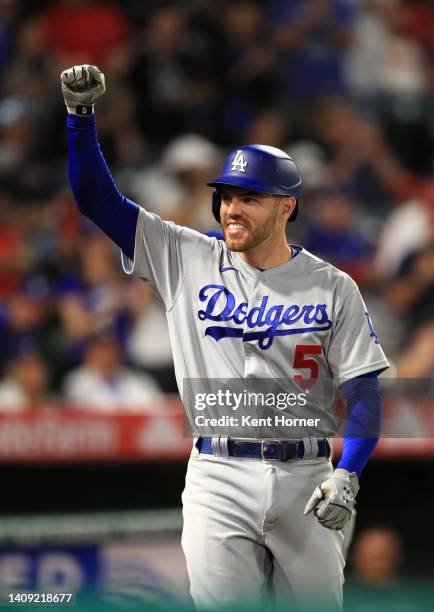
(216, 203)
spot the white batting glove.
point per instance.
(81, 86)
(333, 501)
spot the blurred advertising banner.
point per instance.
(109, 557)
(57, 433)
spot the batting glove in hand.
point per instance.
(81, 86)
(333, 501)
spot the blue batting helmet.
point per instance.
(259, 168)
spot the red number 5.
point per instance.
(301, 350)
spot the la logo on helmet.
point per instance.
(239, 162)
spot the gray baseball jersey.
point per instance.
(302, 321)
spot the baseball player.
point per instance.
(259, 513)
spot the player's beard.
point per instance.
(254, 237)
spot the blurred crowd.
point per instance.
(344, 86)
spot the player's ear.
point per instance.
(288, 206)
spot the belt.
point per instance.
(272, 450)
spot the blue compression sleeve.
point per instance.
(94, 189)
(364, 421)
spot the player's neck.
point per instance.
(265, 256)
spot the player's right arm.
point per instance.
(153, 249)
(94, 189)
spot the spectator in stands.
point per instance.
(37, 216)
(171, 76)
(25, 320)
(248, 83)
(312, 39)
(16, 258)
(334, 235)
(103, 383)
(411, 292)
(34, 127)
(416, 361)
(148, 343)
(389, 71)
(94, 299)
(375, 583)
(176, 187)
(384, 58)
(8, 16)
(376, 557)
(270, 127)
(359, 159)
(26, 384)
(16, 134)
(405, 231)
(406, 102)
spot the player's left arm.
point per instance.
(363, 428)
(333, 501)
(355, 358)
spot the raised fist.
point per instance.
(81, 86)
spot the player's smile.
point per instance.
(236, 229)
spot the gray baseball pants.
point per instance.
(245, 535)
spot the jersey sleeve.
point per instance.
(163, 252)
(354, 347)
